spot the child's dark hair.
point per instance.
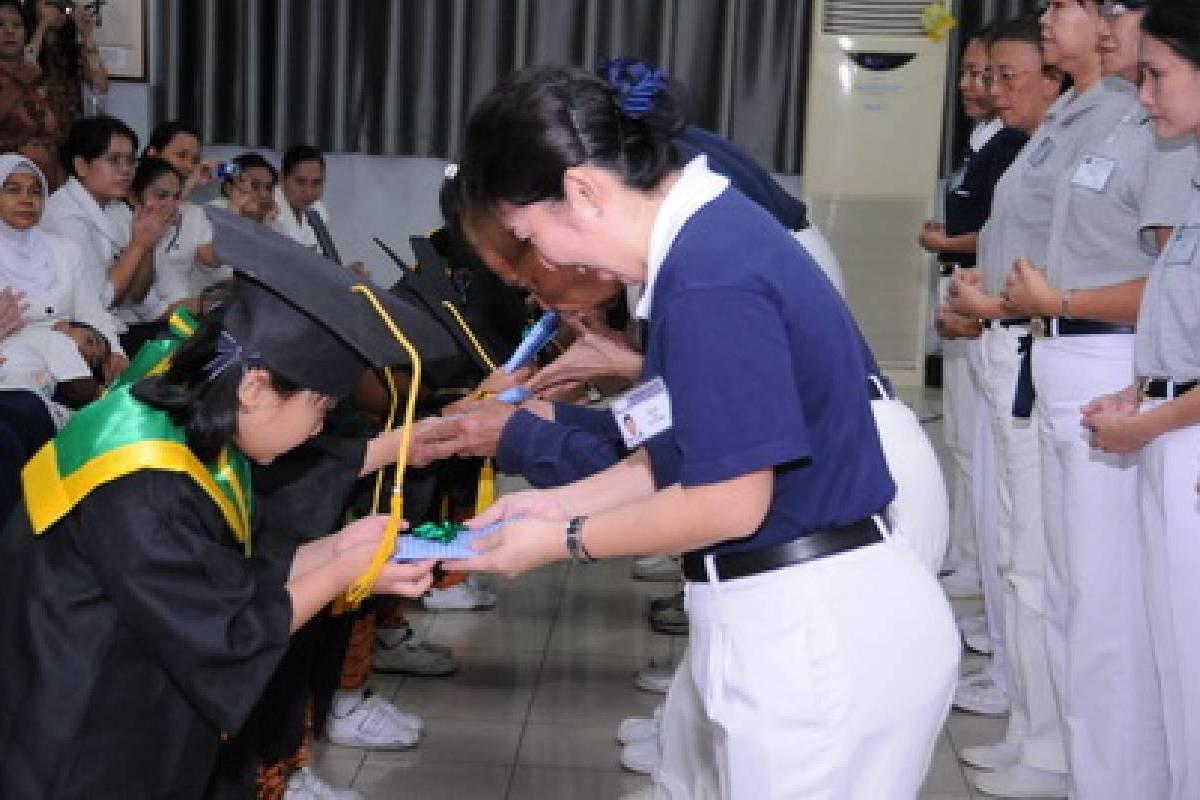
(165, 132)
(1176, 23)
(89, 137)
(150, 169)
(203, 404)
(299, 154)
(97, 368)
(252, 161)
(541, 121)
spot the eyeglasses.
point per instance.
(974, 77)
(1005, 79)
(119, 159)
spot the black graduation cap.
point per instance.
(304, 315)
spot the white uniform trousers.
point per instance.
(819, 248)
(828, 680)
(991, 508)
(1033, 724)
(920, 514)
(960, 402)
(1098, 631)
(1170, 508)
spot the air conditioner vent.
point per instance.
(873, 17)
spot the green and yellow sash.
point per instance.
(116, 436)
(155, 355)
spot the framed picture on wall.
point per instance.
(121, 37)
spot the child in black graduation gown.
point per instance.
(140, 614)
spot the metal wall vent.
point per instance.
(873, 17)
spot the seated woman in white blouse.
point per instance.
(46, 269)
(98, 154)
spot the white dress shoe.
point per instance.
(304, 784)
(460, 597)
(1021, 781)
(978, 694)
(990, 756)
(978, 642)
(639, 729)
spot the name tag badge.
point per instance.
(1093, 172)
(643, 412)
(1041, 152)
(1182, 250)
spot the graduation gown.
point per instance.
(136, 632)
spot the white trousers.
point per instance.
(1098, 631)
(960, 401)
(920, 514)
(829, 679)
(819, 248)
(1170, 509)
(990, 521)
(1033, 724)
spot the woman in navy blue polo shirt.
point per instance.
(755, 455)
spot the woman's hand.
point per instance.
(1119, 432)
(531, 503)
(364, 531)
(1126, 401)
(933, 236)
(407, 579)
(498, 381)
(518, 547)
(12, 309)
(1026, 291)
(200, 175)
(966, 296)
(150, 223)
(598, 352)
(952, 325)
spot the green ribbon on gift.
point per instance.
(441, 532)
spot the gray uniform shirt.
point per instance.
(1123, 182)
(1167, 344)
(1022, 206)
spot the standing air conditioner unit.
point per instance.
(872, 141)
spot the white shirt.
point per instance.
(72, 212)
(38, 358)
(297, 230)
(696, 187)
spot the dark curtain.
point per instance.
(398, 77)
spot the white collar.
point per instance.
(92, 211)
(984, 132)
(696, 187)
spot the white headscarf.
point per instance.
(26, 260)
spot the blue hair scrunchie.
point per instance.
(229, 351)
(634, 82)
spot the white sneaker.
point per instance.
(655, 677)
(408, 655)
(1021, 781)
(960, 585)
(657, 568)
(639, 729)
(1000, 755)
(978, 642)
(373, 723)
(460, 597)
(979, 694)
(641, 757)
(304, 784)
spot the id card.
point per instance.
(1181, 252)
(1041, 152)
(643, 412)
(1093, 172)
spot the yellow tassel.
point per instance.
(362, 586)
(462, 323)
(485, 491)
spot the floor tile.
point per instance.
(589, 689)
(458, 741)
(490, 685)
(543, 783)
(575, 746)
(392, 780)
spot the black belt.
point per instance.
(1165, 388)
(1008, 322)
(1063, 326)
(818, 544)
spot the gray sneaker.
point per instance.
(411, 656)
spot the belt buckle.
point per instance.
(1144, 387)
(1038, 328)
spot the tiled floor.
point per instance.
(544, 679)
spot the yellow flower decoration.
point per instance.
(937, 21)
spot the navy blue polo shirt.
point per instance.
(969, 198)
(746, 175)
(765, 369)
